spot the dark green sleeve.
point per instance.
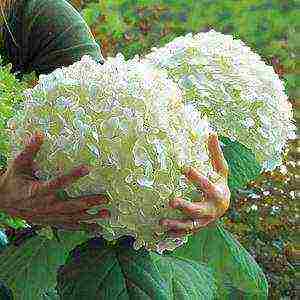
(47, 34)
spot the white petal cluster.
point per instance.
(240, 95)
(126, 120)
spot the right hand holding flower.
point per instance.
(23, 196)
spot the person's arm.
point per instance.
(47, 35)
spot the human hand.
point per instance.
(216, 196)
(36, 201)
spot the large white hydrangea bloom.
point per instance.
(127, 120)
(241, 96)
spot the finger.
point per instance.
(77, 204)
(217, 157)
(200, 180)
(211, 209)
(182, 233)
(192, 209)
(171, 224)
(62, 181)
(184, 225)
(205, 208)
(24, 160)
(60, 219)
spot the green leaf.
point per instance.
(186, 278)
(242, 164)
(101, 270)
(237, 273)
(30, 269)
(69, 239)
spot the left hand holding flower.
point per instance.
(216, 196)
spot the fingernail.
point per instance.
(104, 213)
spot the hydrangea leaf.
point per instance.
(96, 270)
(234, 268)
(243, 167)
(186, 278)
(30, 269)
(101, 270)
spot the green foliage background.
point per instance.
(263, 215)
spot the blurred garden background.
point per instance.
(263, 216)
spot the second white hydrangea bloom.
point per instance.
(241, 96)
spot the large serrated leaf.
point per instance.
(243, 166)
(237, 273)
(99, 270)
(187, 279)
(30, 269)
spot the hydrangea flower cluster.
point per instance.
(240, 95)
(125, 119)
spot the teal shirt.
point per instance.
(47, 34)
